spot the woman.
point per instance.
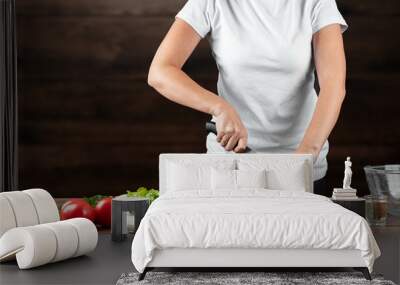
(266, 52)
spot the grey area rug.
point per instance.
(236, 278)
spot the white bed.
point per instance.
(201, 221)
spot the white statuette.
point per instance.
(347, 174)
(347, 192)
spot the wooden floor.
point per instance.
(110, 260)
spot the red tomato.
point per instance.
(103, 212)
(77, 208)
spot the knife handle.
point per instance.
(211, 128)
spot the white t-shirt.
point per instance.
(263, 51)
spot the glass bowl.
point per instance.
(385, 180)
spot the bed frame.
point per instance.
(242, 259)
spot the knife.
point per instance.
(212, 128)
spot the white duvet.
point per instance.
(250, 219)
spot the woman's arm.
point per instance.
(167, 77)
(330, 64)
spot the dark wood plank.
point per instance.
(84, 155)
(370, 46)
(88, 181)
(168, 7)
(369, 7)
(124, 8)
(109, 132)
(92, 47)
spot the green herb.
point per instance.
(93, 200)
(152, 194)
(143, 192)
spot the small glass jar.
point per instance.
(376, 209)
(130, 222)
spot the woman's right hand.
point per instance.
(232, 134)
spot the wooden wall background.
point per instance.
(90, 124)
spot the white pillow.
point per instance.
(251, 178)
(223, 179)
(183, 175)
(226, 179)
(291, 175)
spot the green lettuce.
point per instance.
(143, 192)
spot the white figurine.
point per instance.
(347, 174)
(347, 192)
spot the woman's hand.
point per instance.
(232, 134)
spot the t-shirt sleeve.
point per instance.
(326, 12)
(196, 13)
